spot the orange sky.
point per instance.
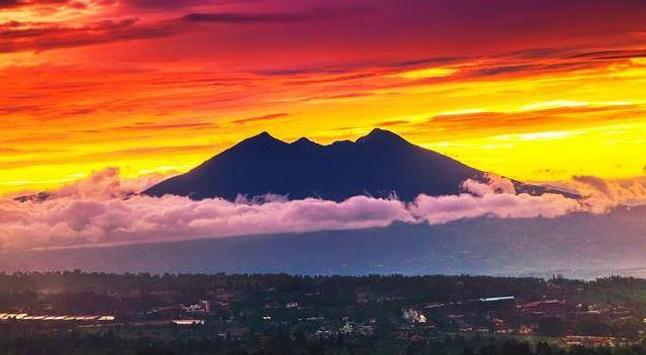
(532, 90)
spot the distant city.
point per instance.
(247, 313)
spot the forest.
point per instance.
(76, 312)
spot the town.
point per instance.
(291, 314)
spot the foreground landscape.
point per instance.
(83, 313)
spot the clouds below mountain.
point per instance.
(599, 195)
(71, 221)
(102, 210)
(489, 200)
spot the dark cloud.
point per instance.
(167, 126)
(611, 54)
(427, 61)
(153, 150)
(333, 79)
(348, 95)
(392, 123)
(156, 4)
(276, 17)
(349, 68)
(147, 127)
(247, 18)
(80, 111)
(263, 118)
(328, 69)
(18, 36)
(178, 4)
(10, 150)
(498, 70)
(496, 123)
(534, 53)
(9, 4)
(21, 108)
(546, 61)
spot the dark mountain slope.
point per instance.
(379, 164)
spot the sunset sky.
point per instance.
(534, 90)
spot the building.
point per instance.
(546, 307)
(189, 322)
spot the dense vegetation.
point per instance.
(72, 344)
(625, 291)
(251, 314)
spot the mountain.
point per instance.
(379, 164)
(577, 245)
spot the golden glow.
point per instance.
(535, 127)
(553, 104)
(106, 87)
(613, 151)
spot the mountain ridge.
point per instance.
(379, 164)
(377, 142)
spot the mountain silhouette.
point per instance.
(380, 164)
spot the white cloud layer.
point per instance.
(102, 210)
(600, 195)
(486, 200)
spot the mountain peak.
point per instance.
(304, 142)
(379, 135)
(263, 138)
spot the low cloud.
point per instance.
(105, 184)
(497, 199)
(72, 221)
(600, 195)
(103, 210)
